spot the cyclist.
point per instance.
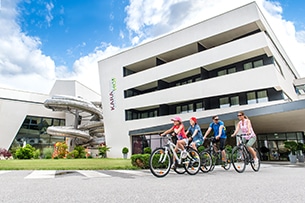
(245, 126)
(219, 135)
(195, 131)
(178, 129)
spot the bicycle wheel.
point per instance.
(192, 162)
(160, 162)
(238, 159)
(206, 161)
(256, 167)
(214, 159)
(180, 169)
(227, 164)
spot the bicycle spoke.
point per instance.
(192, 163)
(238, 159)
(256, 166)
(206, 161)
(159, 162)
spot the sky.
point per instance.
(45, 40)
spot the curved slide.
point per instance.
(88, 133)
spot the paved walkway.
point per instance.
(284, 163)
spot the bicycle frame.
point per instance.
(243, 145)
(171, 146)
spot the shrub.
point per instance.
(147, 150)
(81, 152)
(125, 150)
(36, 154)
(26, 152)
(201, 148)
(140, 160)
(229, 148)
(103, 151)
(73, 154)
(47, 152)
(5, 153)
(60, 150)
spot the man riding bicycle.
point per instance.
(219, 135)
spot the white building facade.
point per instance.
(232, 62)
(24, 118)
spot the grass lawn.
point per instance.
(66, 164)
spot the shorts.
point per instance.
(197, 142)
(185, 140)
(250, 142)
(222, 143)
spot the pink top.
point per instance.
(181, 134)
(244, 129)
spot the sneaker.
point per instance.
(183, 154)
(256, 161)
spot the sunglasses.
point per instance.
(216, 119)
(239, 115)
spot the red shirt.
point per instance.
(181, 135)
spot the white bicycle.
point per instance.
(161, 160)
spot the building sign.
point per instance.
(112, 93)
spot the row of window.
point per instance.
(159, 60)
(204, 104)
(33, 131)
(241, 66)
(246, 66)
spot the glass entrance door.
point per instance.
(277, 151)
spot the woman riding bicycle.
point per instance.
(178, 129)
(245, 126)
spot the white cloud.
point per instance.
(146, 20)
(85, 68)
(21, 59)
(49, 16)
(24, 66)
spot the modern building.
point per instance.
(24, 119)
(229, 63)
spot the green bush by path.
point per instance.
(66, 164)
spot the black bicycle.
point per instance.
(241, 157)
(217, 156)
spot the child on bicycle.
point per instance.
(178, 130)
(195, 131)
(245, 126)
(219, 135)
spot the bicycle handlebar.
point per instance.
(243, 135)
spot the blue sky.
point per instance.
(69, 30)
(45, 40)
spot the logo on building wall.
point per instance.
(112, 93)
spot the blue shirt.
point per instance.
(199, 135)
(216, 126)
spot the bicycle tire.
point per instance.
(256, 167)
(179, 168)
(206, 161)
(238, 158)
(192, 162)
(214, 160)
(160, 162)
(227, 164)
